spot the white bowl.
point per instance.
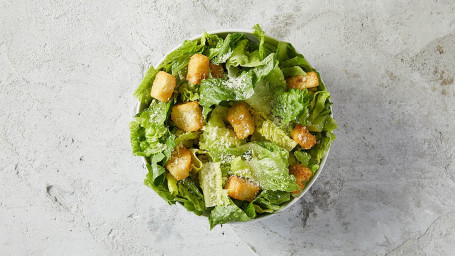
(251, 36)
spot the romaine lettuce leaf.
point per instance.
(160, 189)
(319, 118)
(178, 60)
(194, 198)
(211, 181)
(186, 139)
(272, 200)
(213, 44)
(142, 92)
(260, 101)
(267, 172)
(303, 157)
(293, 71)
(273, 133)
(285, 51)
(216, 140)
(265, 48)
(242, 57)
(320, 149)
(226, 213)
(188, 92)
(268, 64)
(224, 50)
(148, 133)
(297, 61)
(288, 105)
(215, 90)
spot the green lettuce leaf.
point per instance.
(297, 61)
(177, 61)
(211, 181)
(186, 139)
(242, 57)
(214, 90)
(268, 173)
(265, 48)
(319, 118)
(148, 133)
(285, 51)
(293, 71)
(303, 157)
(194, 198)
(321, 148)
(227, 213)
(289, 105)
(160, 189)
(213, 44)
(226, 48)
(273, 133)
(142, 92)
(188, 92)
(260, 101)
(272, 200)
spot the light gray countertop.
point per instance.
(70, 186)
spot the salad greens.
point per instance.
(261, 89)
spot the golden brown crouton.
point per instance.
(241, 189)
(179, 164)
(241, 120)
(198, 68)
(163, 86)
(300, 82)
(187, 116)
(217, 71)
(303, 136)
(302, 174)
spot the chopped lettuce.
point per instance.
(271, 200)
(268, 173)
(256, 74)
(227, 213)
(290, 105)
(226, 48)
(187, 139)
(293, 71)
(285, 51)
(178, 60)
(260, 101)
(319, 118)
(242, 57)
(193, 198)
(211, 181)
(273, 133)
(149, 135)
(188, 92)
(215, 90)
(160, 189)
(142, 92)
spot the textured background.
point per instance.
(69, 185)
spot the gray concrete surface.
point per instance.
(69, 185)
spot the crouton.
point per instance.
(300, 82)
(217, 71)
(241, 120)
(187, 116)
(163, 86)
(302, 174)
(302, 136)
(198, 68)
(179, 164)
(241, 189)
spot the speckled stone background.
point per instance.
(69, 185)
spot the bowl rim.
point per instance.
(250, 35)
